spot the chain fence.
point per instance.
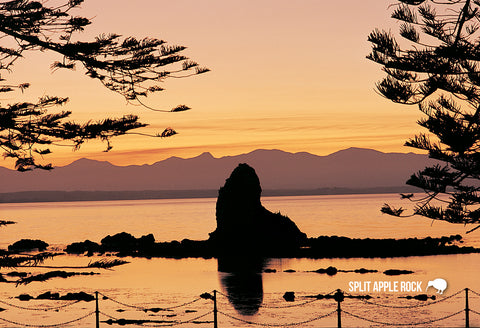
(403, 324)
(363, 318)
(48, 325)
(142, 308)
(473, 311)
(339, 297)
(474, 292)
(274, 306)
(53, 308)
(177, 323)
(277, 325)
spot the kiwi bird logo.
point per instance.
(439, 284)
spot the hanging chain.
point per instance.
(403, 324)
(46, 326)
(40, 309)
(411, 306)
(278, 325)
(145, 308)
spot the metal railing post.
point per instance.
(339, 297)
(467, 310)
(215, 322)
(97, 312)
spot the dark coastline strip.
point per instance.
(125, 244)
(99, 195)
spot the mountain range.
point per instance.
(350, 169)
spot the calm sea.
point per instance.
(246, 299)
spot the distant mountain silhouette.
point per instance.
(351, 168)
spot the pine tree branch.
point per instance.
(461, 21)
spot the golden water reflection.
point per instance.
(161, 282)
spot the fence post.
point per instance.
(467, 310)
(339, 297)
(215, 322)
(97, 312)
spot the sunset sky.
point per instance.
(289, 75)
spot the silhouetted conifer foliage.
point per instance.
(131, 67)
(435, 65)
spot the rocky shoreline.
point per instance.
(124, 244)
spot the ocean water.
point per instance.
(243, 299)
(175, 219)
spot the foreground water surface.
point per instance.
(244, 299)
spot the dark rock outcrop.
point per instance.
(419, 297)
(125, 242)
(396, 272)
(24, 297)
(28, 245)
(335, 246)
(244, 225)
(331, 271)
(84, 246)
(289, 296)
(80, 296)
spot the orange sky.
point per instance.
(288, 75)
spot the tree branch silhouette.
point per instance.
(131, 67)
(436, 67)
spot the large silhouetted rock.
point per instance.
(244, 225)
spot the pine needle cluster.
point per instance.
(435, 65)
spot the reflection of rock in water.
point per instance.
(241, 279)
(244, 290)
